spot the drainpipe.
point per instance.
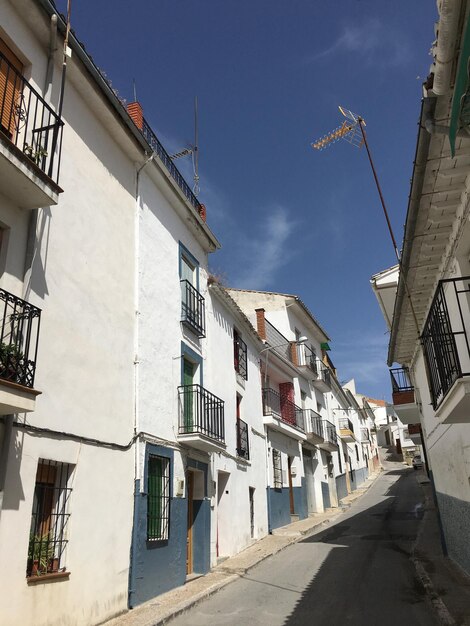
(444, 50)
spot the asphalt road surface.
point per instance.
(357, 572)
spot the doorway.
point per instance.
(189, 536)
(291, 490)
(252, 512)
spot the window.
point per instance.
(192, 303)
(277, 469)
(10, 89)
(49, 519)
(357, 454)
(158, 498)
(239, 355)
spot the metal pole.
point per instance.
(360, 120)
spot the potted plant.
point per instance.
(41, 558)
(11, 361)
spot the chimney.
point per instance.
(260, 323)
(136, 113)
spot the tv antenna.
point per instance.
(192, 150)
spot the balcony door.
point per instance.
(11, 86)
(189, 370)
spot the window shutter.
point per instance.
(11, 86)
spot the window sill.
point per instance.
(34, 580)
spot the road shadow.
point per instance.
(366, 576)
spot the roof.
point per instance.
(230, 303)
(437, 213)
(298, 301)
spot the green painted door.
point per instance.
(190, 395)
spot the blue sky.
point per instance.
(269, 76)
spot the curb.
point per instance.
(442, 612)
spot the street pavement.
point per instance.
(357, 572)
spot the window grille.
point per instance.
(49, 519)
(277, 469)
(158, 498)
(239, 355)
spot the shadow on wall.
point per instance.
(14, 493)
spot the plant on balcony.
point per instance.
(41, 558)
(35, 154)
(11, 361)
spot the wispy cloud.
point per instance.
(363, 358)
(372, 41)
(266, 252)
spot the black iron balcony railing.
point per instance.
(243, 445)
(306, 357)
(400, 379)
(329, 432)
(193, 308)
(278, 342)
(239, 356)
(28, 121)
(326, 375)
(153, 141)
(313, 422)
(444, 339)
(286, 410)
(345, 423)
(201, 412)
(19, 338)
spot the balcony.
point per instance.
(283, 415)
(18, 354)
(313, 426)
(330, 438)
(403, 395)
(243, 445)
(346, 429)
(201, 419)
(240, 356)
(446, 349)
(323, 381)
(193, 314)
(279, 344)
(30, 142)
(308, 361)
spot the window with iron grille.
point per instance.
(239, 355)
(158, 498)
(49, 519)
(277, 469)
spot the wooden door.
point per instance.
(291, 490)
(189, 536)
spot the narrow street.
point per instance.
(357, 571)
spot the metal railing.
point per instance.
(201, 412)
(329, 432)
(239, 356)
(193, 308)
(278, 342)
(243, 445)
(28, 121)
(325, 374)
(286, 410)
(345, 423)
(400, 380)
(157, 147)
(306, 357)
(444, 339)
(19, 337)
(313, 422)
